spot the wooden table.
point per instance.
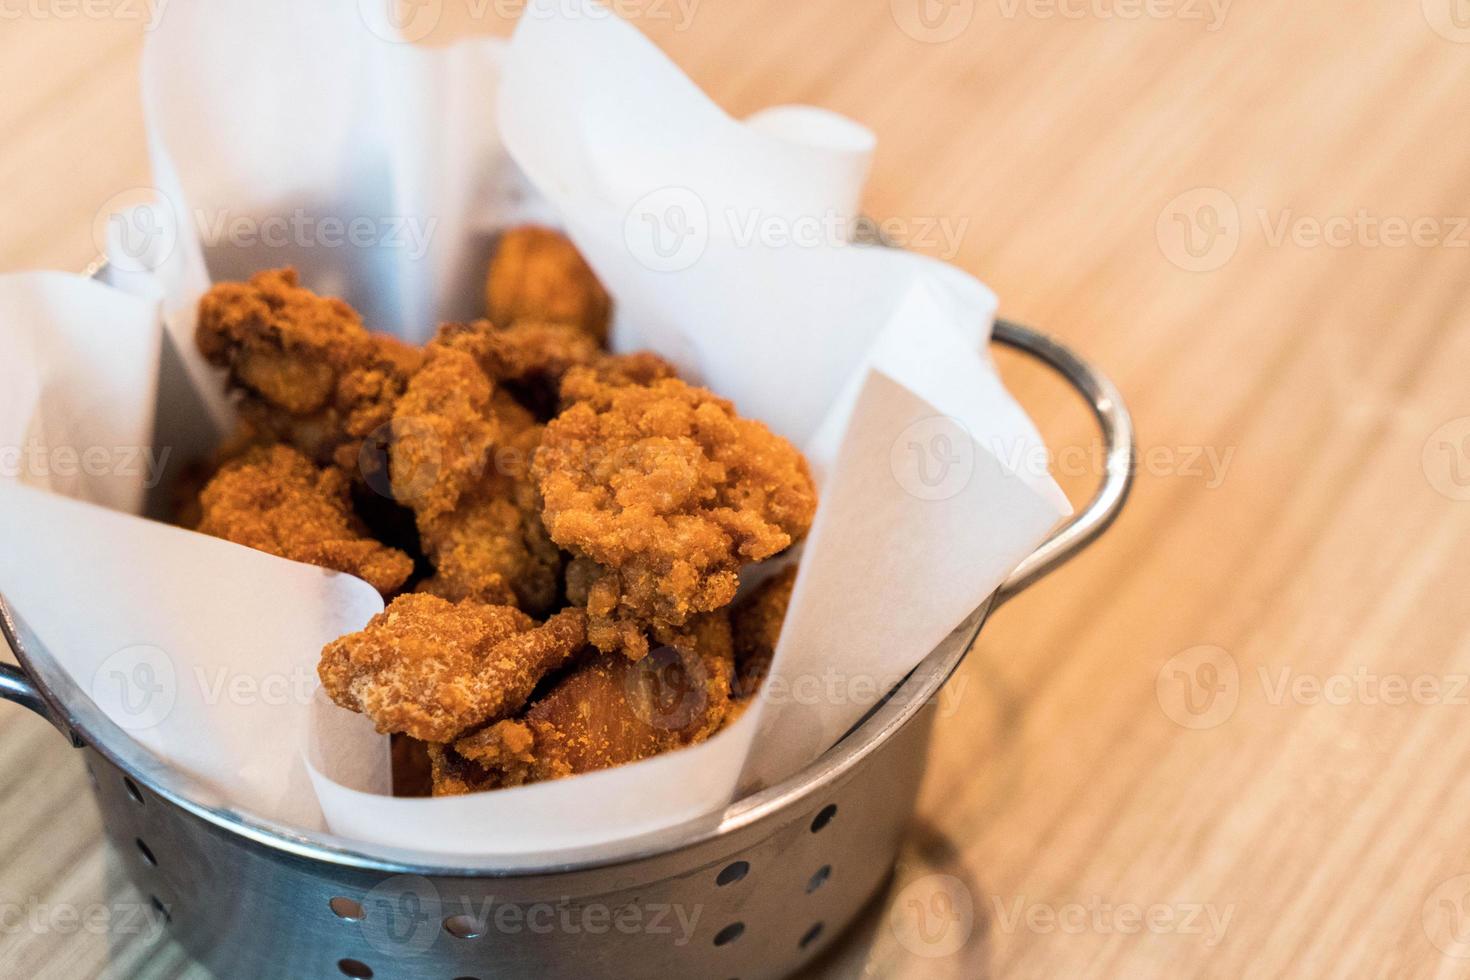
(1231, 739)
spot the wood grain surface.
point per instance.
(1230, 740)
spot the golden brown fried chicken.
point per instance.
(460, 458)
(613, 370)
(528, 358)
(312, 374)
(434, 669)
(274, 499)
(607, 712)
(757, 622)
(538, 274)
(669, 492)
(444, 434)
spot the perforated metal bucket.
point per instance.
(754, 892)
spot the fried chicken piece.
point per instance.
(757, 622)
(538, 274)
(613, 370)
(274, 499)
(607, 712)
(434, 669)
(444, 433)
(669, 492)
(528, 357)
(312, 374)
(460, 458)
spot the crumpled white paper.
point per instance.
(271, 115)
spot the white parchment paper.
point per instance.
(269, 117)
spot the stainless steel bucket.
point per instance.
(754, 892)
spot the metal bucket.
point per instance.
(754, 892)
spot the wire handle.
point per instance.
(1112, 416)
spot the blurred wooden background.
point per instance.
(1231, 740)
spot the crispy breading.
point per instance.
(613, 370)
(444, 434)
(670, 493)
(757, 621)
(274, 499)
(435, 669)
(526, 350)
(311, 373)
(608, 711)
(460, 458)
(538, 274)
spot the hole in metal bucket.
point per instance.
(133, 791)
(356, 969)
(819, 879)
(346, 908)
(733, 873)
(729, 934)
(463, 927)
(824, 818)
(160, 908)
(812, 935)
(147, 854)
